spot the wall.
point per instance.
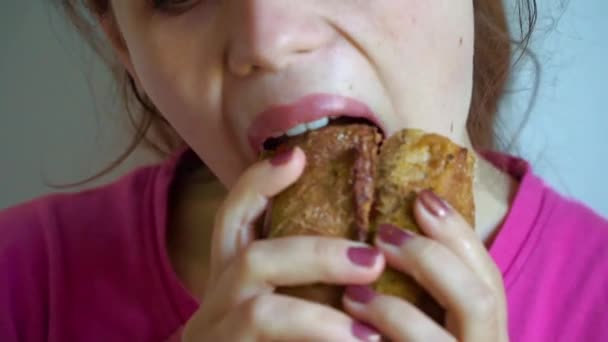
(60, 118)
(564, 134)
(56, 127)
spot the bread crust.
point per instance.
(353, 182)
(411, 161)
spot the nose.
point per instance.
(268, 35)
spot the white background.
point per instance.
(60, 120)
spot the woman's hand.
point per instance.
(452, 264)
(239, 303)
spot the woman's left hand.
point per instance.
(453, 265)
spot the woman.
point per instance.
(168, 251)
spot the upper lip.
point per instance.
(280, 118)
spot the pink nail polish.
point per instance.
(282, 157)
(365, 333)
(433, 204)
(393, 235)
(363, 256)
(360, 294)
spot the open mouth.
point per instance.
(273, 143)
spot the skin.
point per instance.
(211, 66)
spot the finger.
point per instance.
(282, 318)
(440, 222)
(447, 278)
(234, 224)
(394, 318)
(290, 261)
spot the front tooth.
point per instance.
(318, 123)
(299, 129)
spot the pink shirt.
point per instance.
(92, 266)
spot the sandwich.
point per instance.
(354, 181)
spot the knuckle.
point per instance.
(391, 309)
(250, 259)
(321, 248)
(465, 245)
(428, 251)
(423, 258)
(258, 311)
(324, 253)
(484, 304)
(496, 277)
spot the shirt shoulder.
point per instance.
(97, 246)
(553, 254)
(41, 220)
(574, 234)
(573, 214)
(561, 290)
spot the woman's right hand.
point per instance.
(239, 302)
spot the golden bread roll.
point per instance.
(353, 182)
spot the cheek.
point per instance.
(179, 74)
(176, 78)
(183, 78)
(434, 38)
(431, 49)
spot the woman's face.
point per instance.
(214, 67)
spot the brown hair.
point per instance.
(492, 65)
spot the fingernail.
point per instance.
(282, 157)
(363, 256)
(365, 333)
(360, 294)
(393, 235)
(433, 204)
